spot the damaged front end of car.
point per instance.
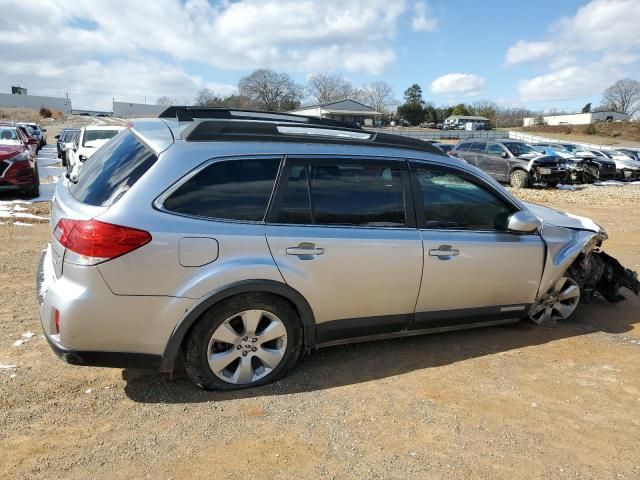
(576, 268)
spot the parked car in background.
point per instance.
(28, 133)
(18, 162)
(630, 152)
(583, 166)
(64, 141)
(252, 240)
(626, 167)
(85, 144)
(40, 132)
(512, 161)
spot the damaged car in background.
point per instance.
(513, 162)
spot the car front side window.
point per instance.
(452, 201)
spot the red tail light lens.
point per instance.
(105, 241)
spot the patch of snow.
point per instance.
(28, 335)
(22, 224)
(7, 367)
(566, 187)
(610, 183)
(17, 343)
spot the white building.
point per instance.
(346, 110)
(459, 120)
(576, 118)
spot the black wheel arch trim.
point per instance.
(178, 335)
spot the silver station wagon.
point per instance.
(238, 240)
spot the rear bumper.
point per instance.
(106, 359)
(98, 328)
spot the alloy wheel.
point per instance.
(557, 304)
(247, 346)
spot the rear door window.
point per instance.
(112, 170)
(339, 194)
(478, 147)
(237, 189)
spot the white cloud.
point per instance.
(586, 52)
(422, 21)
(568, 83)
(528, 51)
(458, 84)
(159, 40)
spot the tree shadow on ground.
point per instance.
(364, 362)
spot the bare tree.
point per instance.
(623, 96)
(378, 95)
(484, 108)
(327, 87)
(207, 98)
(167, 101)
(271, 90)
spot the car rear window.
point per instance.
(112, 170)
(229, 190)
(97, 135)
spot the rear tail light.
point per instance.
(91, 242)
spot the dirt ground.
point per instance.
(515, 402)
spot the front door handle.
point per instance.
(444, 252)
(305, 250)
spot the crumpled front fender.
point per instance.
(564, 245)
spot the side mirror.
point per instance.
(523, 222)
(504, 155)
(57, 137)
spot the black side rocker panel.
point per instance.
(247, 286)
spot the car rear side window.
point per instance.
(463, 146)
(366, 195)
(230, 190)
(112, 170)
(453, 202)
(478, 147)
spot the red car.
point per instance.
(18, 163)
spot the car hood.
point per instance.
(558, 218)
(529, 156)
(8, 151)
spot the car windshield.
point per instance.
(517, 148)
(9, 136)
(95, 137)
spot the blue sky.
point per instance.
(542, 54)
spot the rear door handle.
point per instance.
(444, 252)
(305, 250)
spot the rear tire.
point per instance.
(519, 179)
(34, 190)
(553, 184)
(225, 350)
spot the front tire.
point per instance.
(519, 179)
(243, 342)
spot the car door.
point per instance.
(475, 270)
(342, 232)
(491, 164)
(462, 151)
(496, 161)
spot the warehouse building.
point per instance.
(22, 100)
(130, 110)
(346, 110)
(576, 118)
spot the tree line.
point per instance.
(266, 89)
